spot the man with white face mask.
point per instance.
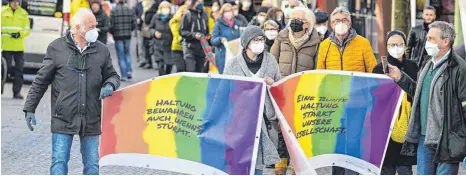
(81, 73)
(439, 105)
(321, 25)
(345, 50)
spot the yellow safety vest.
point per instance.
(13, 22)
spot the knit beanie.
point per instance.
(250, 33)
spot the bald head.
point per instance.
(82, 21)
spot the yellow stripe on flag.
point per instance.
(161, 141)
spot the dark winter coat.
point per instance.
(122, 22)
(103, 23)
(392, 154)
(248, 14)
(138, 10)
(161, 26)
(416, 42)
(76, 108)
(194, 21)
(242, 20)
(449, 85)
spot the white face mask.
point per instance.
(396, 52)
(271, 34)
(246, 4)
(341, 29)
(165, 11)
(257, 48)
(215, 8)
(92, 35)
(432, 49)
(261, 19)
(321, 30)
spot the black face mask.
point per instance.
(296, 25)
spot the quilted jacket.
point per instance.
(354, 54)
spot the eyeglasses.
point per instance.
(302, 20)
(396, 45)
(77, 65)
(340, 21)
(292, 7)
(258, 40)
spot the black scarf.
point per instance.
(253, 65)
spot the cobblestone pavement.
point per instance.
(26, 153)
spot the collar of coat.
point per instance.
(351, 35)
(314, 39)
(92, 48)
(222, 21)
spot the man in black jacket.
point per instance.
(438, 113)
(81, 73)
(417, 38)
(193, 28)
(103, 22)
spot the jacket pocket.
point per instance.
(457, 145)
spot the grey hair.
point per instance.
(310, 17)
(79, 18)
(300, 4)
(446, 30)
(341, 10)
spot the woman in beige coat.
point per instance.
(296, 50)
(297, 45)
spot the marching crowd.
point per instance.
(429, 132)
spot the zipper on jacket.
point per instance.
(342, 50)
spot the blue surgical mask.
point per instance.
(200, 6)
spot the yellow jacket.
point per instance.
(357, 55)
(175, 24)
(76, 4)
(401, 122)
(14, 22)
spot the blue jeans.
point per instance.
(61, 146)
(258, 172)
(124, 58)
(426, 164)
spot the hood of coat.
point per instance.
(314, 39)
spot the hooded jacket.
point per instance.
(292, 60)
(76, 79)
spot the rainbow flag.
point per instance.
(187, 122)
(333, 118)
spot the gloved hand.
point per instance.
(15, 35)
(30, 120)
(106, 91)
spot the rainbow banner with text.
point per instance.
(188, 123)
(334, 118)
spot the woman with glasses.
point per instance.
(226, 28)
(253, 61)
(271, 29)
(395, 162)
(296, 46)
